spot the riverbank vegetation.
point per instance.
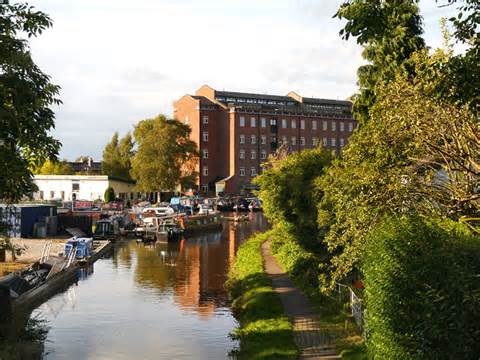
(264, 332)
(394, 215)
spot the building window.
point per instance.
(242, 121)
(334, 142)
(263, 122)
(325, 125)
(242, 154)
(314, 141)
(41, 195)
(205, 171)
(75, 187)
(253, 171)
(242, 171)
(205, 188)
(294, 124)
(334, 126)
(205, 136)
(263, 139)
(302, 124)
(205, 119)
(350, 127)
(263, 154)
(284, 140)
(62, 195)
(273, 122)
(242, 139)
(342, 142)
(253, 154)
(253, 139)
(284, 123)
(314, 125)
(253, 122)
(205, 153)
(302, 141)
(325, 142)
(186, 120)
(342, 126)
(52, 194)
(294, 140)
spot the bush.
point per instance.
(109, 195)
(422, 290)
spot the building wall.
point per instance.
(62, 187)
(224, 134)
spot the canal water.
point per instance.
(162, 301)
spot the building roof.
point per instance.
(82, 177)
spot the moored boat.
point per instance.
(196, 224)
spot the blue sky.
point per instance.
(121, 61)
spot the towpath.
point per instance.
(312, 341)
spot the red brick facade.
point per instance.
(237, 131)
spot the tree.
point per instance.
(26, 97)
(165, 156)
(287, 190)
(418, 153)
(390, 32)
(464, 68)
(55, 168)
(117, 156)
(109, 195)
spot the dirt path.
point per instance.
(312, 342)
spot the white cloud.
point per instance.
(121, 61)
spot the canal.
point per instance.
(162, 301)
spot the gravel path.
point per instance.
(313, 342)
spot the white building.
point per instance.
(85, 187)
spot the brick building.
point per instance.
(237, 131)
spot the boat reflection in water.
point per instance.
(158, 301)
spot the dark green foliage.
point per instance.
(109, 194)
(26, 97)
(264, 332)
(423, 291)
(288, 192)
(390, 32)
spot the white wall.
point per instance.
(90, 187)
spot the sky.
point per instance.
(118, 62)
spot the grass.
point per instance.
(264, 331)
(303, 268)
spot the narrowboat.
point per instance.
(197, 224)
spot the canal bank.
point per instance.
(150, 302)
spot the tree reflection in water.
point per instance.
(23, 338)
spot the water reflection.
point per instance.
(161, 301)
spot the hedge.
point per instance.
(422, 282)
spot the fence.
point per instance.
(346, 294)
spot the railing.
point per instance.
(354, 301)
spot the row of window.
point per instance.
(253, 171)
(293, 124)
(253, 154)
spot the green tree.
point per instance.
(417, 153)
(26, 97)
(50, 167)
(390, 32)
(117, 156)
(165, 157)
(288, 192)
(109, 194)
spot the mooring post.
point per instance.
(5, 303)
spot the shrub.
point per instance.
(109, 194)
(422, 290)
